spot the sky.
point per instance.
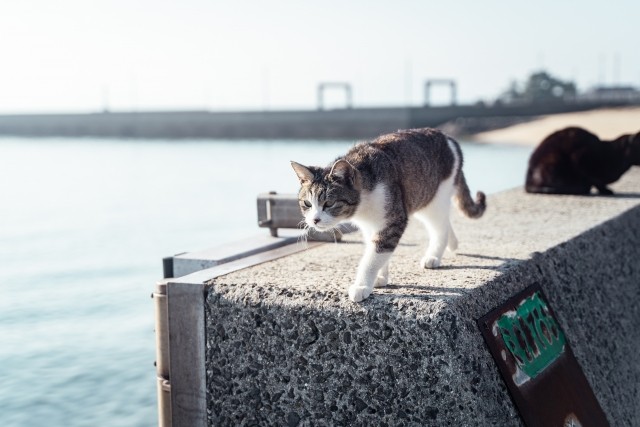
(139, 55)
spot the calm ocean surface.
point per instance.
(84, 224)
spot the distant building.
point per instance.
(540, 88)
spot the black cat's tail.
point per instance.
(471, 208)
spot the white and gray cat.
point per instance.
(377, 185)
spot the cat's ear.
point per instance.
(304, 173)
(343, 170)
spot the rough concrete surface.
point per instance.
(285, 346)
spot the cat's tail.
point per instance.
(471, 208)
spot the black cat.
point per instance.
(572, 160)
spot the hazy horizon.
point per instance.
(75, 56)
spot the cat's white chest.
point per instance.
(371, 212)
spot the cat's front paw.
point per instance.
(358, 293)
(430, 262)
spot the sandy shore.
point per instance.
(606, 123)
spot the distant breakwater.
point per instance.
(309, 124)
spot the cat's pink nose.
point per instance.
(316, 220)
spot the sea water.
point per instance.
(84, 224)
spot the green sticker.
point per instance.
(532, 336)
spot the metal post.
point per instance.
(320, 96)
(162, 354)
(452, 87)
(345, 86)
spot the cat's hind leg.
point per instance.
(452, 243)
(383, 276)
(438, 239)
(435, 217)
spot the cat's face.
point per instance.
(327, 196)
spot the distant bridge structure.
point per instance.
(447, 82)
(335, 85)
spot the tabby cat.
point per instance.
(377, 185)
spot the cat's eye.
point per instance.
(307, 203)
(329, 204)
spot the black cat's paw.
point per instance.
(604, 191)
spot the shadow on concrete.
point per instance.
(606, 196)
(431, 293)
(624, 196)
(493, 258)
(360, 242)
(505, 262)
(472, 267)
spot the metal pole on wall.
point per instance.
(320, 100)
(345, 86)
(162, 354)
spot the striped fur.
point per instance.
(377, 185)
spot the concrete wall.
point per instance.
(272, 124)
(342, 123)
(284, 346)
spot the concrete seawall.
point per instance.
(280, 344)
(309, 124)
